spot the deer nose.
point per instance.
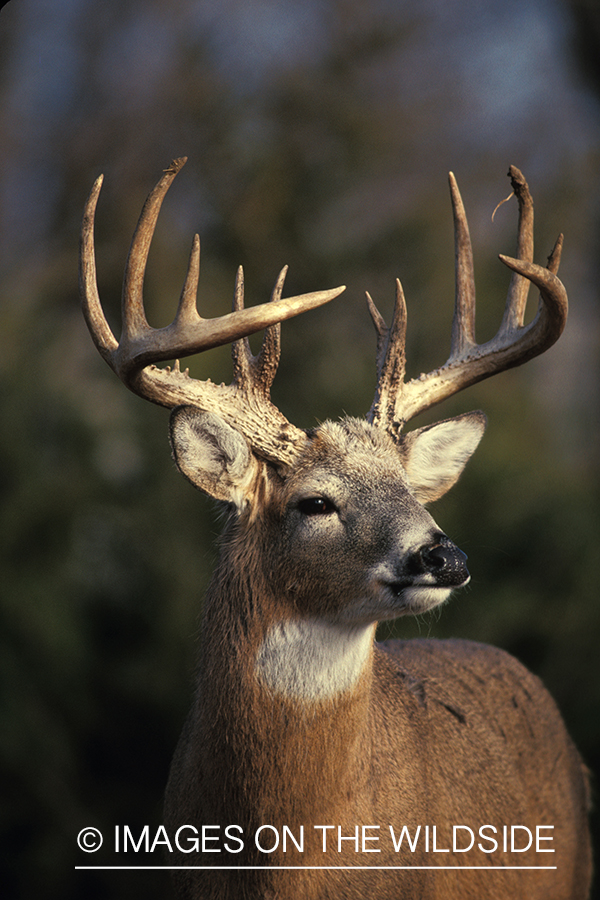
(445, 562)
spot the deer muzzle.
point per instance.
(444, 561)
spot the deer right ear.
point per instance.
(211, 454)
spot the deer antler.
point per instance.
(397, 401)
(245, 403)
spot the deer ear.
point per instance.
(211, 454)
(434, 456)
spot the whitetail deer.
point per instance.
(366, 769)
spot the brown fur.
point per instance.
(435, 733)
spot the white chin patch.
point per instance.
(312, 660)
(421, 599)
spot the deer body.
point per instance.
(301, 721)
(307, 745)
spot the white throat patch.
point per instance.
(313, 660)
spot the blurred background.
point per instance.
(319, 134)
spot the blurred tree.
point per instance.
(586, 16)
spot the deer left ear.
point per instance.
(434, 456)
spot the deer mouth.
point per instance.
(397, 588)
(416, 596)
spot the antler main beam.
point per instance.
(397, 401)
(189, 333)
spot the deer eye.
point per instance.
(316, 506)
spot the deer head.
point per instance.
(233, 444)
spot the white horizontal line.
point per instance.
(246, 868)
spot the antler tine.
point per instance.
(240, 349)
(551, 317)
(391, 360)
(100, 330)
(463, 322)
(267, 360)
(187, 311)
(381, 329)
(135, 325)
(516, 301)
(256, 373)
(141, 345)
(514, 344)
(553, 263)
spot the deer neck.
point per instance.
(284, 707)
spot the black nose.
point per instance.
(445, 562)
